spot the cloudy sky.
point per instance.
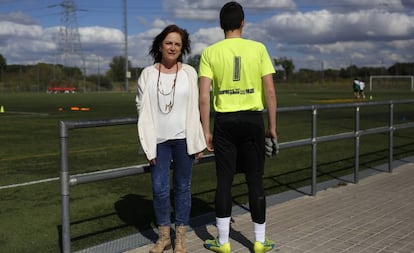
(313, 33)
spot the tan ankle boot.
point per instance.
(180, 239)
(164, 240)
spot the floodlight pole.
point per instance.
(126, 45)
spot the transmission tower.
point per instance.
(69, 44)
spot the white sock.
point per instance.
(259, 232)
(223, 229)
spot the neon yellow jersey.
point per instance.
(236, 67)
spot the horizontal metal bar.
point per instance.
(108, 174)
(296, 143)
(376, 130)
(126, 121)
(99, 123)
(335, 137)
(343, 105)
(121, 172)
(205, 159)
(404, 125)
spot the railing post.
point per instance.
(391, 137)
(356, 146)
(64, 184)
(314, 150)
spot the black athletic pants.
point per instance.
(238, 141)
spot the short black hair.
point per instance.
(231, 16)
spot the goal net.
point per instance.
(387, 82)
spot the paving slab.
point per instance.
(374, 215)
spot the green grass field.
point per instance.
(30, 216)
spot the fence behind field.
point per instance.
(67, 181)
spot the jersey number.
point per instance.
(236, 68)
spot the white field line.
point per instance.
(29, 183)
(28, 113)
(57, 178)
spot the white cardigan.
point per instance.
(146, 125)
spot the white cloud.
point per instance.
(378, 4)
(209, 9)
(353, 5)
(96, 34)
(270, 4)
(328, 27)
(18, 18)
(26, 43)
(337, 33)
(204, 38)
(9, 29)
(196, 14)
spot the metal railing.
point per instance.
(67, 180)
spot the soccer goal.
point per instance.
(391, 82)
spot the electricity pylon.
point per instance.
(69, 43)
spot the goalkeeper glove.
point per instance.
(271, 147)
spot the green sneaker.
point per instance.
(259, 247)
(215, 246)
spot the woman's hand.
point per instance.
(152, 161)
(198, 156)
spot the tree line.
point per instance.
(40, 76)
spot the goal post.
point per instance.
(411, 78)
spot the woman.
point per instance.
(170, 131)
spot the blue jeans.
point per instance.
(175, 152)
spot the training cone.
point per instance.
(1, 109)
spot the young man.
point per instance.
(240, 73)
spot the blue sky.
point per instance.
(314, 34)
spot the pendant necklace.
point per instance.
(170, 94)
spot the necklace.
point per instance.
(160, 91)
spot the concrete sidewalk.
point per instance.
(375, 215)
